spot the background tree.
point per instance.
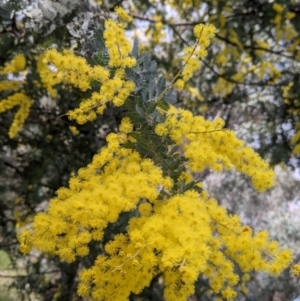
(276, 210)
(50, 148)
(251, 72)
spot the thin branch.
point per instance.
(178, 33)
(12, 276)
(210, 131)
(173, 27)
(193, 23)
(234, 44)
(237, 82)
(13, 167)
(143, 18)
(254, 48)
(217, 73)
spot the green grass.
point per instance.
(5, 295)
(4, 260)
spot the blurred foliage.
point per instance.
(251, 62)
(276, 211)
(46, 152)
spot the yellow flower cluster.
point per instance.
(167, 238)
(175, 236)
(76, 71)
(118, 47)
(17, 64)
(206, 144)
(114, 182)
(116, 90)
(70, 68)
(223, 87)
(43, 69)
(74, 130)
(278, 7)
(18, 99)
(122, 14)
(291, 100)
(267, 69)
(157, 32)
(126, 126)
(193, 54)
(296, 270)
(283, 29)
(296, 140)
(6, 85)
(261, 44)
(184, 4)
(181, 238)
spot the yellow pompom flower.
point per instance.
(17, 64)
(126, 125)
(17, 99)
(278, 8)
(296, 270)
(122, 14)
(193, 54)
(179, 84)
(74, 130)
(161, 130)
